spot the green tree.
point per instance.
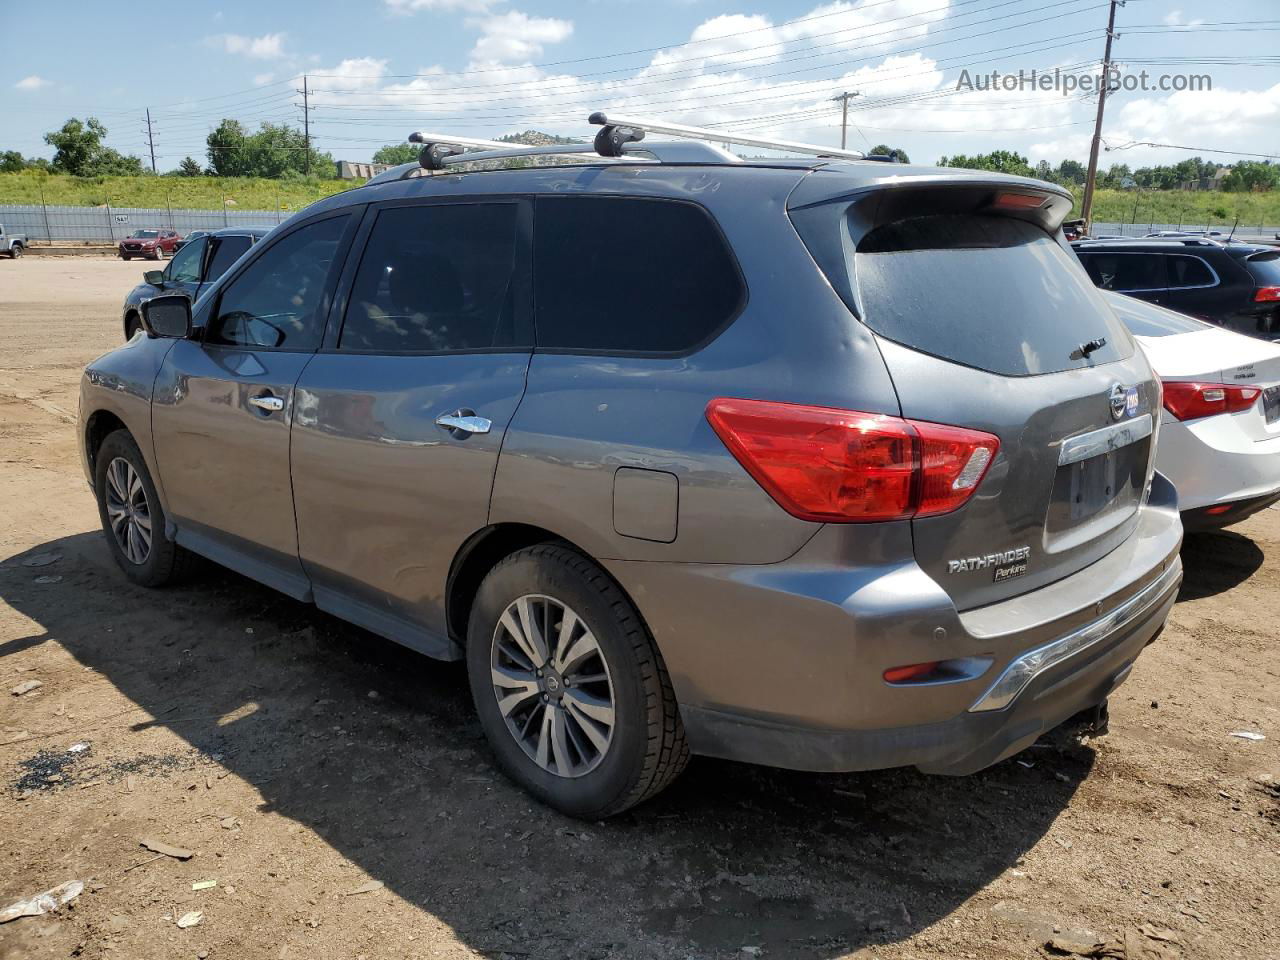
(79, 151)
(274, 151)
(396, 153)
(1250, 175)
(884, 150)
(1000, 161)
(189, 167)
(1072, 171)
(227, 150)
(11, 162)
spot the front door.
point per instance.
(224, 402)
(400, 418)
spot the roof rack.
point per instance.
(620, 139)
(617, 131)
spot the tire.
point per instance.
(123, 257)
(157, 253)
(163, 561)
(15, 251)
(644, 748)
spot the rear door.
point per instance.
(986, 321)
(401, 416)
(1197, 289)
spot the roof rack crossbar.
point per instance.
(625, 130)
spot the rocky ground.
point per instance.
(337, 802)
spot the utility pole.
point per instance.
(151, 141)
(844, 114)
(1086, 205)
(306, 108)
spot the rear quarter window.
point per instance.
(630, 275)
(988, 292)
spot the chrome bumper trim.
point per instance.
(1033, 663)
(1086, 445)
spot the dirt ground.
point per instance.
(337, 790)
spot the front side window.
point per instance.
(437, 278)
(630, 275)
(1189, 272)
(1125, 272)
(277, 302)
(185, 265)
(227, 252)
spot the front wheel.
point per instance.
(123, 257)
(569, 687)
(132, 517)
(15, 251)
(157, 254)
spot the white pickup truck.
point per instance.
(12, 243)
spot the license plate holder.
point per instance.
(1271, 403)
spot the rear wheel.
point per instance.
(569, 687)
(132, 517)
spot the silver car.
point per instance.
(825, 465)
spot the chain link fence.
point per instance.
(107, 224)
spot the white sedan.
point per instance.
(1219, 440)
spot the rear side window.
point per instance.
(436, 278)
(624, 275)
(1265, 268)
(1189, 272)
(1126, 272)
(988, 292)
(227, 252)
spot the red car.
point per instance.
(153, 244)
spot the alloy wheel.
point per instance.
(552, 685)
(128, 511)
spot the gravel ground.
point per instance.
(336, 788)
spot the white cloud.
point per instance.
(261, 79)
(1174, 18)
(514, 37)
(269, 46)
(32, 82)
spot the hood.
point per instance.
(145, 241)
(143, 291)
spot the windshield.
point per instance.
(145, 234)
(989, 292)
(1265, 268)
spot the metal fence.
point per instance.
(107, 224)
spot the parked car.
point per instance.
(193, 235)
(153, 244)
(1220, 430)
(192, 270)
(14, 244)
(640, 445)
(1235, 285)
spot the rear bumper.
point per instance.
(1219, 461)
(782, 664)
(1219, 515)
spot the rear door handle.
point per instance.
(460, 423)
(269, 403)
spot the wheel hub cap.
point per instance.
(128, 512)
(552, 685)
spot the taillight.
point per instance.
(1191, 401)
(843, 466)
(1020, 201)
(1267, 295)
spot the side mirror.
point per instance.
(154, 277)
(167, 316)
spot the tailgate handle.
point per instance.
(1095, 442)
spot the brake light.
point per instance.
(907, 674)
(1191, 401)
(1020, 201)
(842, 466)
(1267, 295)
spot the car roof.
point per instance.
(1149, 244)
(257, 232)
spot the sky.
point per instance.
(378, 69)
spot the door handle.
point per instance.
(268, 403)
(460, 423)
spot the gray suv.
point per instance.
(825, 465)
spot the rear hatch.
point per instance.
(986, 320)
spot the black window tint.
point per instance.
(278, 301)
(436, 278)
(185, 265)
(227, 252)
(614, 274)
(1265, 268)
(988, 292)
(1189, 272)
(1125, 271)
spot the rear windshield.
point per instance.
(989, 292)
(1265, 268)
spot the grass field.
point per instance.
(208, 193)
